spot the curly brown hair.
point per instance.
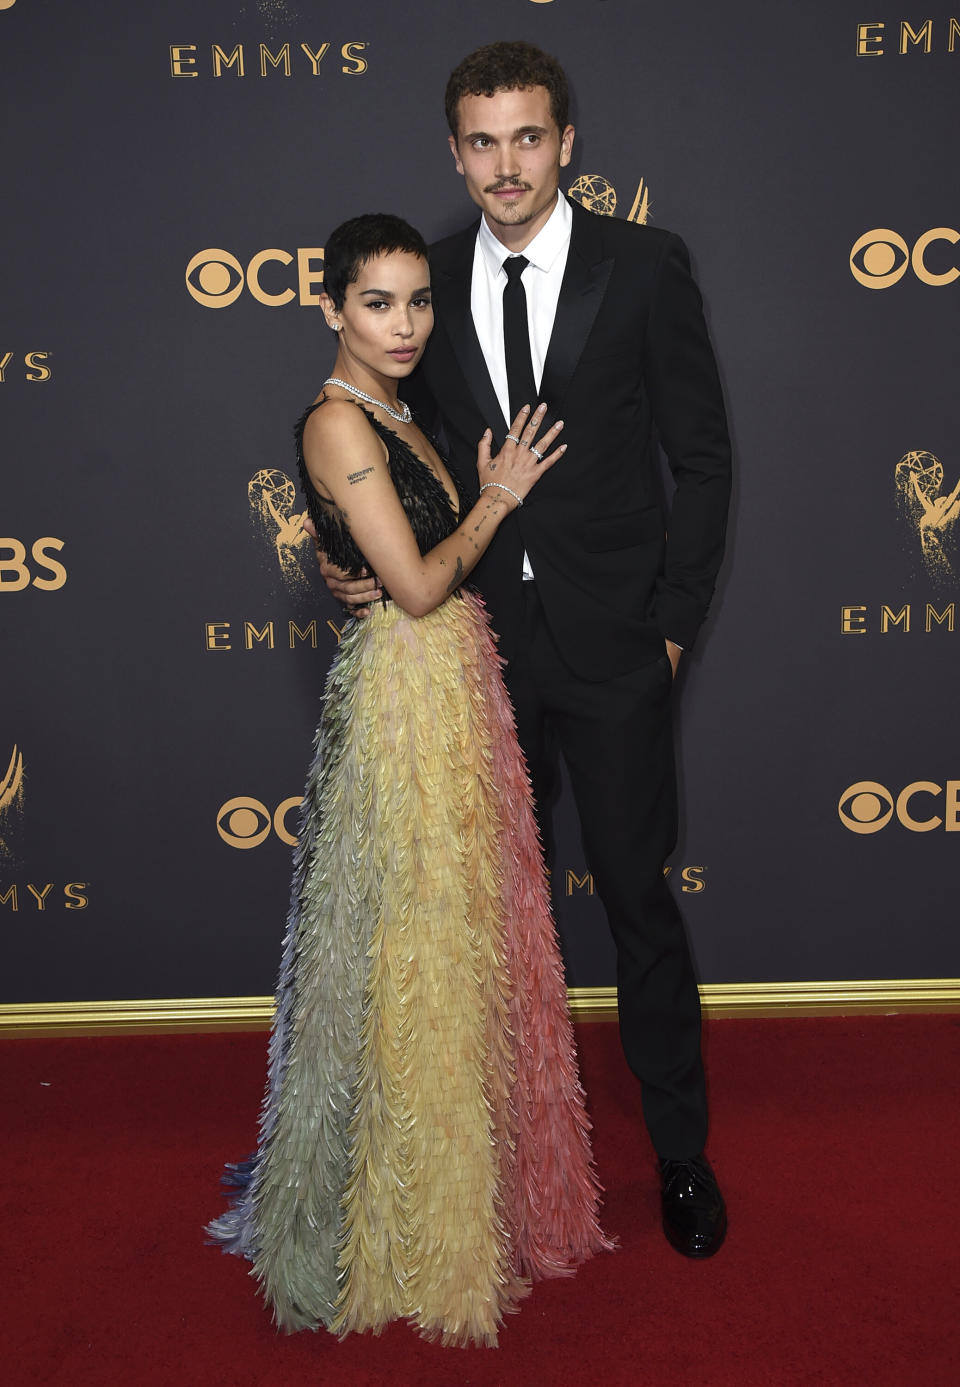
(507, 66)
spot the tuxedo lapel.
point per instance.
(581, 294)
(452, 274)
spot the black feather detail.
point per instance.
(422, 494)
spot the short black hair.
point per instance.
(507, 66)
(360, 239)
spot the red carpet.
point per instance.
(836, 1143)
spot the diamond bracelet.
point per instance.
(502, 488)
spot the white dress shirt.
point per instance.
(547, 254)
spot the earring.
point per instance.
(336, 326)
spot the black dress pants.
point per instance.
(616, 738)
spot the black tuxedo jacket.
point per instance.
(629, 362)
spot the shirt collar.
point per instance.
(552, 239)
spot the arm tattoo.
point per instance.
(457, 576)
(354, 477)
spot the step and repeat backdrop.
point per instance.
(170, 172)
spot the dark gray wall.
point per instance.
(772, 146)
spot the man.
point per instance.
(593, 592)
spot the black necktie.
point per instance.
(521, 386)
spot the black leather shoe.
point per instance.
(694, 1214)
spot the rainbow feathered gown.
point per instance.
(424, 1149)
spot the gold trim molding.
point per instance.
(880, 998)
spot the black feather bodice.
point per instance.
(422, 495)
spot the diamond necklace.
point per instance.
(402, 416)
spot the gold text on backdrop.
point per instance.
(877, 39)
(243, 822)
(74, 896)
(290, 60)
(13, 560)
(216, 278)
(867, 806)
(692, 878)
(220, 635)
(855, 618)
(35, 366)
(881, 257)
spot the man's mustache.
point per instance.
(507, 183)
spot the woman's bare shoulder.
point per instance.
(338, 431)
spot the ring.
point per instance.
(515, 439)
(536, 454)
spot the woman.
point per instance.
(423, 1142)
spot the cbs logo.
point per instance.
(867, 807)
(13, 560)
(216, 279)
(246, 823)
(882, 257)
